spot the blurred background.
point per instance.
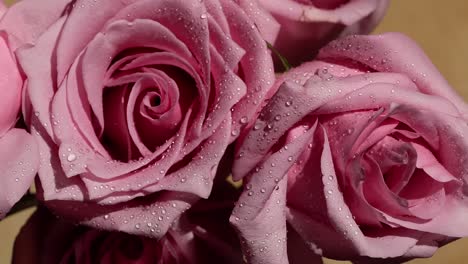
(441, 28)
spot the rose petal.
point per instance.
(382, 49)
(152, 218)
(20, 161)
(36, 62)
(299, 251)
(3, 8)
(264, 21)
(426, 197)
(431, 165)
(26, 20)
(259, 214)
(110, 43)
(10, 85)
(116, 125)
(346, 14)
(378, 194)
(58, 187)
(339, 215)
(257, 61)
(166, 124)
(453, 213)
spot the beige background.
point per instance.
(441, 28)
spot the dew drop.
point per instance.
(71, 157)
(244, 120)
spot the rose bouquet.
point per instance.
(176, 131)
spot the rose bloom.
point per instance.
(300, 27)
(134, 103)
(362, 152)
(19, 158)
(197, 237)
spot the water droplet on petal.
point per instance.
(244, 120)
(71, 157)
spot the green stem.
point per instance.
(283, 60)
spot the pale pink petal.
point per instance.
(381, 244)
(346, 14)
(453, 212)
(256, 62)
(394, 52)
(58, 187)
(19, 159)
(110, 43)
(26, 20)
(10, 87)
(431, 165)
(259, 215)
(3, 8)
(151, 217)
(36, 62)
(263, 20)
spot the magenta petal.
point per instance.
(19, 161)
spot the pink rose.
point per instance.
(307, 25)
(135, 102)
(363, 153)
(198, 237)
(19, 159)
